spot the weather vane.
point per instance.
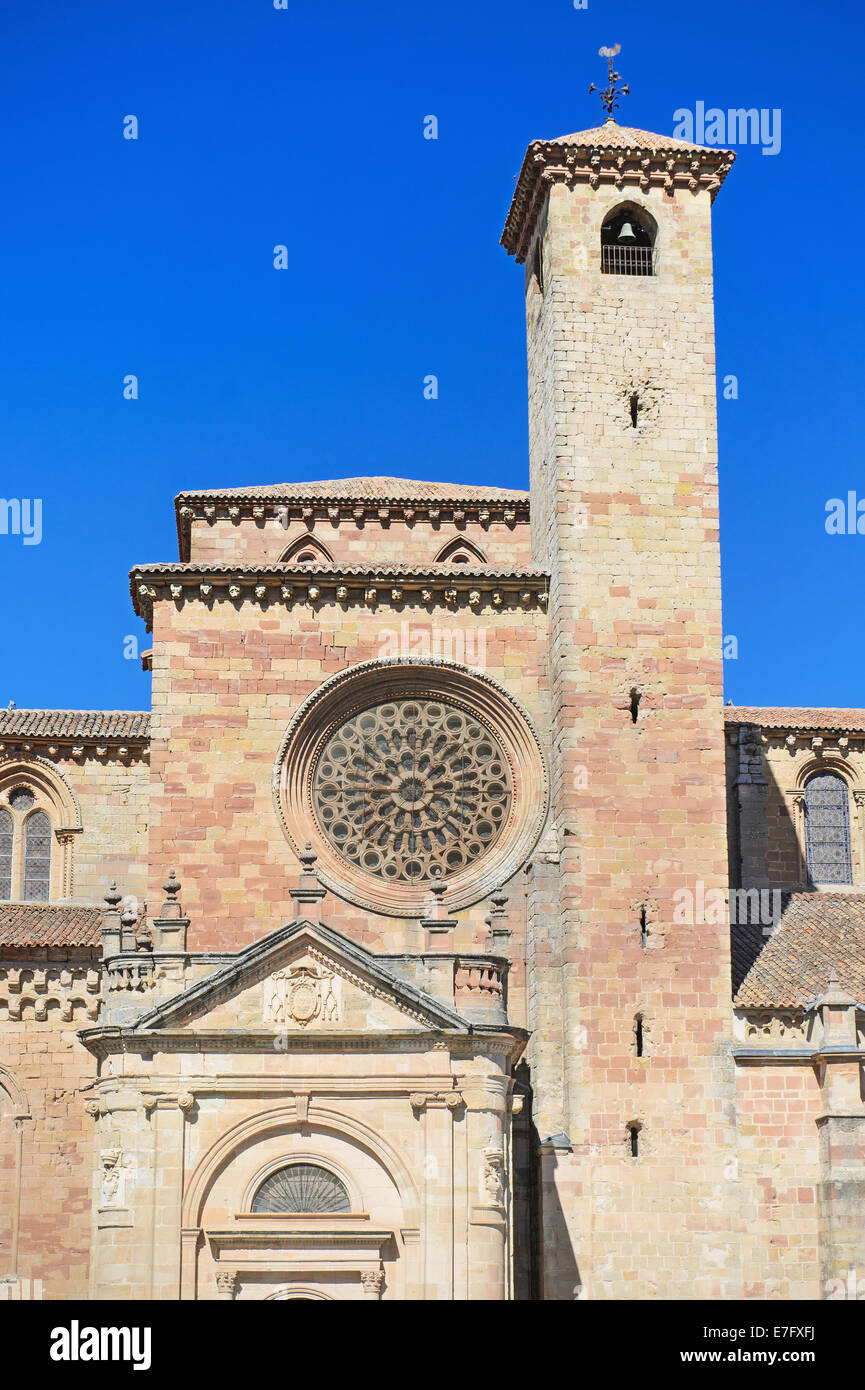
(610, 97)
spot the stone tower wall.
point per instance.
(627, 518)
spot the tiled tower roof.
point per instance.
(626, 158)
(612, 136)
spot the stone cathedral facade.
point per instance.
(390, 955)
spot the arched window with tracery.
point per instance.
(39, 819)
(827, 829)
(7, 836)
(37, 857)
(301, 1189)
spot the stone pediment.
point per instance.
(303, 978)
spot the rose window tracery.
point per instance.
(412, 790)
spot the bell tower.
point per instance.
(630, 983)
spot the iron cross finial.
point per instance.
(610, 96)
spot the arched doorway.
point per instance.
(295, 1211)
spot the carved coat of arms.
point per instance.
(300, 994)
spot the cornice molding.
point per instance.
(369, 586)
(621, 166)
(125, 750)
(267, 507)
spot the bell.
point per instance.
(627, 233)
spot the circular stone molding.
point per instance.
(403, 774)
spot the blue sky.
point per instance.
(304, 126)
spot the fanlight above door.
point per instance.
(301, 1189)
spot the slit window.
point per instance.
(638, 1035)
(538, 265)
(634, 1139)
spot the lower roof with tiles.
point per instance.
(820, 937)
(38, 925)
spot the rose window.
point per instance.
(412, 790)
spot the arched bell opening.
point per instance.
(628, 241)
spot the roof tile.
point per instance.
(780, 717)
(820, 937)
(71, 723)
(377, 489)
(612, 136)
(44, 924)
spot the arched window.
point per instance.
(627, 242)
(301, 1189)
(7, 828)
(827, 829)
(459, 551)
(39, 817)
(37, 858)
(306, 550)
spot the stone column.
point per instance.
(373, 1283)
(438, 1196)
(859, 869)
(561, 1209)
(841, 1130)
(168, 1248)
(751, 794)
(489, 1187)
(796, 802)
(226, 1284)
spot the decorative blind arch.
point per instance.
(827, 829)
(460, 551)
(306, 550)
(37, 857)
(301, 1189)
